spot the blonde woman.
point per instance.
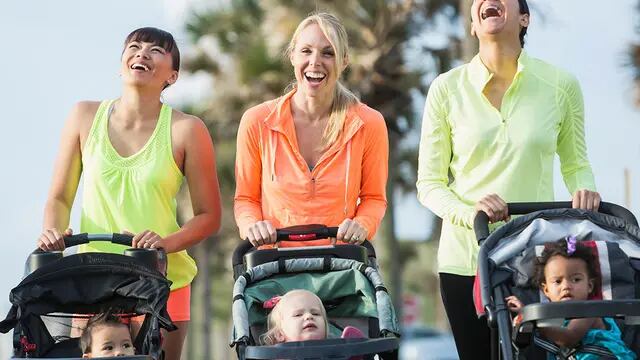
(315, 155)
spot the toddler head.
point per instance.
(106, 335)
(296, 316)
(566, 271)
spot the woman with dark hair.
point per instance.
(133, 153)
(495, 125)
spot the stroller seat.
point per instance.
(344, 277)
(68, 348)
(81, 285)
(506, 266)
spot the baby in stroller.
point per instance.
(296, 316)
(507, 262)
(299, 315)
(58, 289)
(567, 271)
(106, 335)
(343, 280)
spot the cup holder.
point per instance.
(39, 259)
(152, 258)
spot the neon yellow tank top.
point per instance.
(133, 193)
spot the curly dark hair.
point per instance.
(103, 319)
(560, 248)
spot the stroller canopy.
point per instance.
(89, 283)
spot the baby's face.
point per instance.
(566, 279)
(302, 319)
(111, 341)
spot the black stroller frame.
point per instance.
(88, 283)
(252, 265)
(491, 280)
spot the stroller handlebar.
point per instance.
(84, 238)
(296, 233)
(481, 221)
(306, 232)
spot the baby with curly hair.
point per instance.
(566, 271)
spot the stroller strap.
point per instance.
(563, 353)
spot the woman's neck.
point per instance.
(311, 108)
(134, 105)
(500, 59)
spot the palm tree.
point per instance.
(241, 46)
(634, 63)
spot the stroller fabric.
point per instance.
(359, 285)
(345, 293)
(509, 253)
(90, 283)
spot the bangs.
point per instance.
(157, 37)
(153, 36)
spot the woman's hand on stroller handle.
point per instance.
(495, 208)
(53, 240)
(146, 239)
(69, 240)
(586, 200)
(350, 231)
(260, 233)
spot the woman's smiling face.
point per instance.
(145, 63)
(492, 17)
(314, 62)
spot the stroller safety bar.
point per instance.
(545, 314)
(322, 349)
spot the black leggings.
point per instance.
(472, 335)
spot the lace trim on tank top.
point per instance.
(156, 145)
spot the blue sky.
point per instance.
(56, 53)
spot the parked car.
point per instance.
(425, 343)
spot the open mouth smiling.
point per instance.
(491, 11)
(139, 66)
(314, 76)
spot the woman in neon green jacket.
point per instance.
(495, 124)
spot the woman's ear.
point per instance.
(86, 355)
(524, 20)
(345, 63)
(173, 78)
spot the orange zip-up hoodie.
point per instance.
(273, 181)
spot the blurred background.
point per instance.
(57, 53)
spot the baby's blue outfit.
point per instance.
(610, 338)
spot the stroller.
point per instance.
(57, 289)
(506, 264)
(344, 277)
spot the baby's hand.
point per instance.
(514, 304)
